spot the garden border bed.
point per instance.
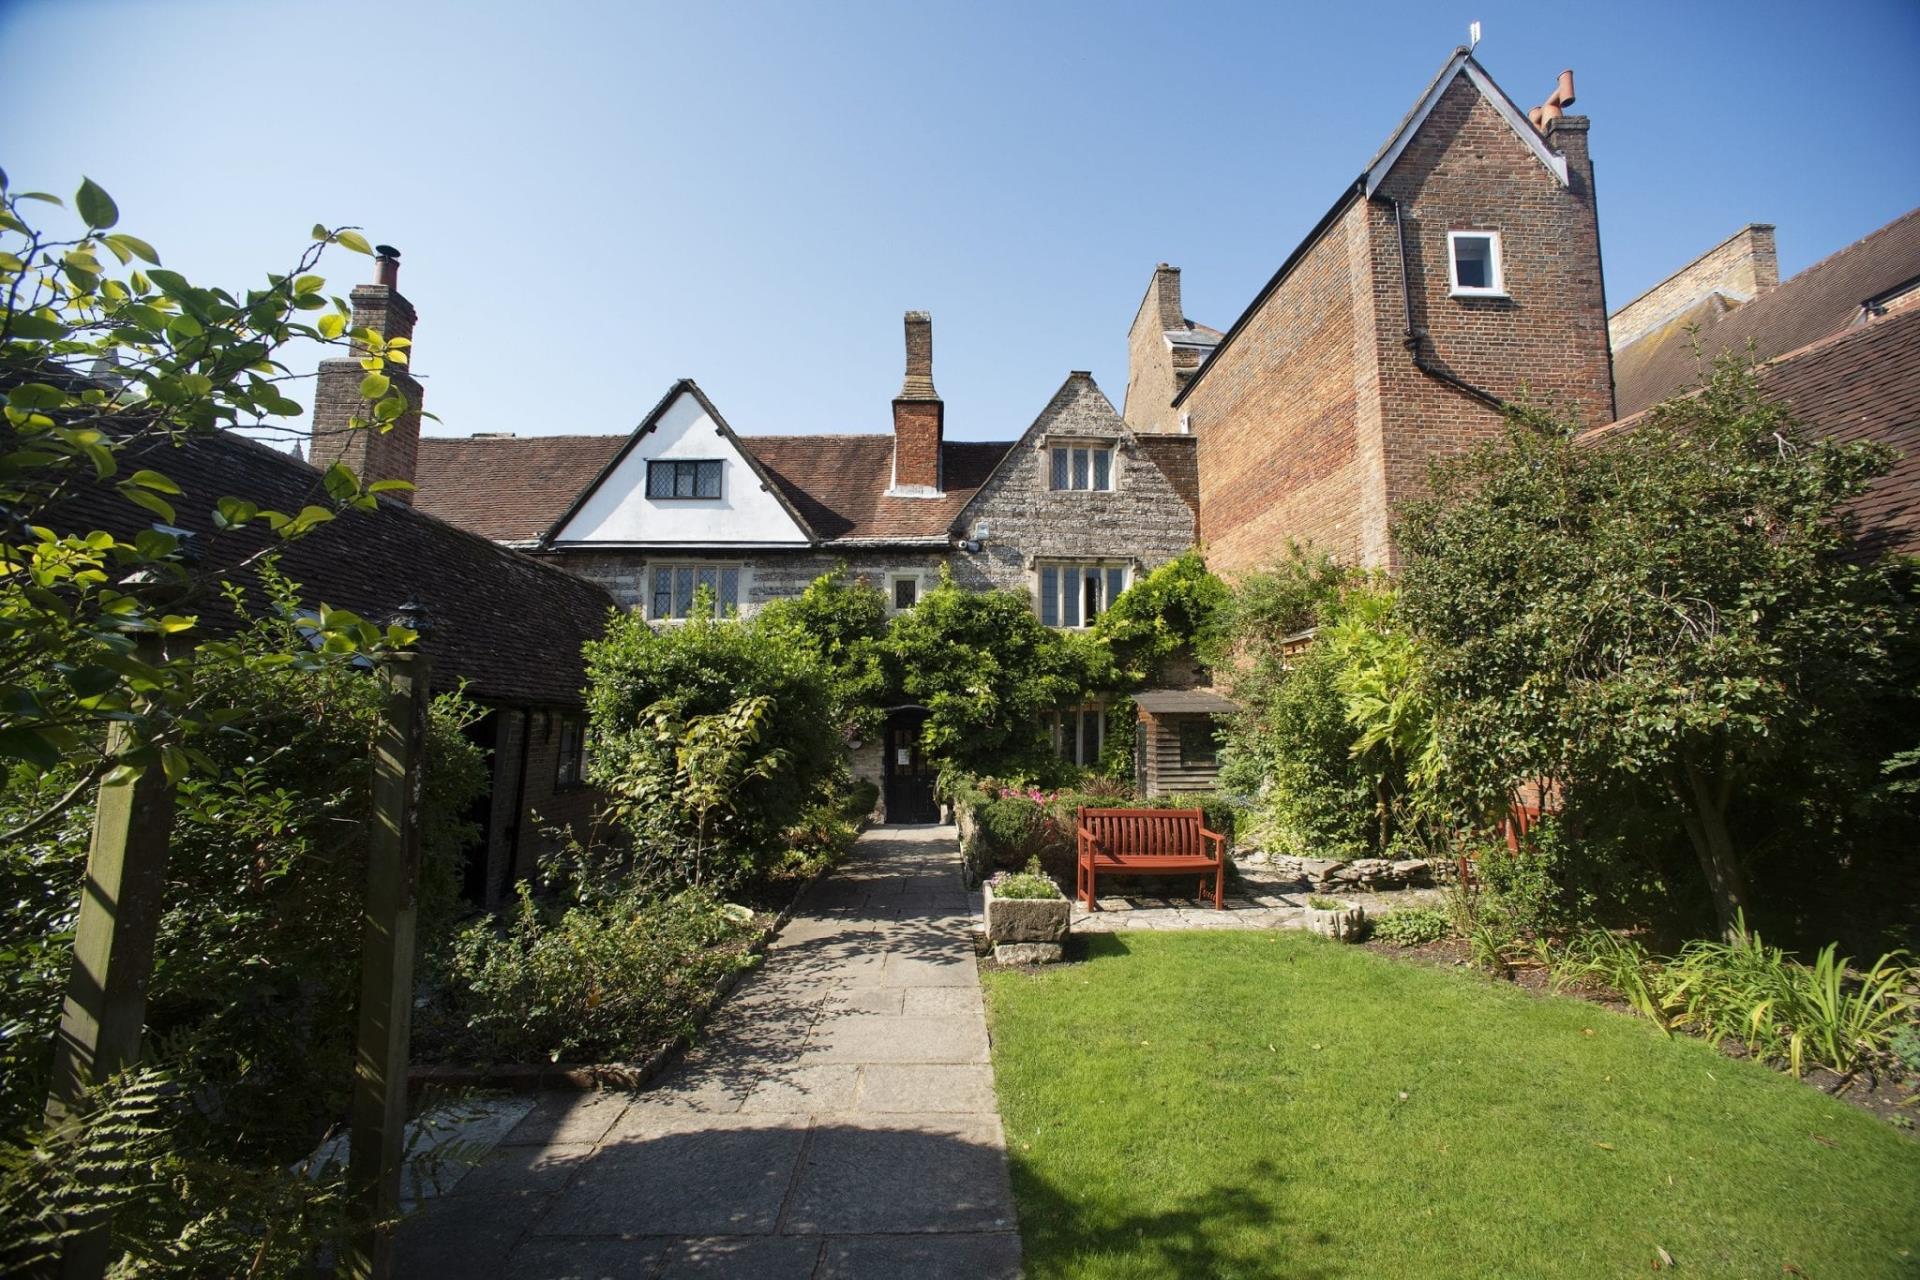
(582, 1077)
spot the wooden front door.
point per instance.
(909, 778)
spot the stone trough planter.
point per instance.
(1027, 930)
(1342, 924)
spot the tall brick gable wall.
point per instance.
(1546, 342)
(1277, 416)
(1315, 424)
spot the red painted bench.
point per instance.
(1147, 842)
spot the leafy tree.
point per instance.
(987, 669)
(1179, 608)
(650, 695)
(96, 362)
(1676, 604)
(842, 622)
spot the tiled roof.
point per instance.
(840, 483)
(1822, 300)
(507, 488)
(511, 625)
(1860, 384)
(1178, 459)
(514, 488)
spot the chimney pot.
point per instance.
(386, 265)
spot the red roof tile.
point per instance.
(513, 488)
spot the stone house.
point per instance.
(1068, 514)
(1459, 272)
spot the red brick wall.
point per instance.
(372, 454)
(1314, 424)
(1275, 418)
(1546, 342)
(916, 442)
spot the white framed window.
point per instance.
(903, 591)
(1473, 264)
(1078, 733)
(1073, 594)
(671, 587)
(1080, 466)
(683, 478)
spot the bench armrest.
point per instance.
(1087, 841)
(1219, 840)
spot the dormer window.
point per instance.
(674, 478)
(1473, 264)
(1082, 466)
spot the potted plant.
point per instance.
(1341, 921)
(1027, 916)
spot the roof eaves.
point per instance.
(1314, 237)
(1460, 62)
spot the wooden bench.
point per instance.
(1147, 842)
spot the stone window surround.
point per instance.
(1129, 568)
(1498, 289)
(648, 568)
(1078, 717)
(1110, 445)
(916, 576)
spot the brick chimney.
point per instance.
(372, 454)
(919, 417)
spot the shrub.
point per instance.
(1179, 608)
(987, 670)
(1411, 926)
(604, 981)
(860, 800)
(654, 696)
(1031, 883)
(840, 622)
(1621, 965)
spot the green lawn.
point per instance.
(1230, 1104)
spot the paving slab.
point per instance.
(836, 1118)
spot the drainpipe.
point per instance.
(1412, 339)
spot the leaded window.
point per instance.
(1081, 466)
(674, 586)
(675, 478)
(1073, 595)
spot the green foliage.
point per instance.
(131, 1148)
(862, 796)
(1321, 902)
(1825, 1013)
(1179, 608)
(1030, 884)
(1677, 605)
(987, 669)
(256, 971)
(841, 622)
(1335, 743)
(76, 602)
(1411, 926)
(711, 737)
(604, 981)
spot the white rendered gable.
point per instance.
(619, 513)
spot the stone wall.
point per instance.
(1142, 520)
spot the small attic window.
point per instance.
(1080, 466)
(1473, 263)
(672, 478)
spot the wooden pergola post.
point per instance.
(379, 1109)
(105, 1012)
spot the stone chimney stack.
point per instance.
(919, 417)
(371, 453)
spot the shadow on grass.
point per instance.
(1220, 1233)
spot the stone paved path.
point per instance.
(837, 1119)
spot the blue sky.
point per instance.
(594, 199)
